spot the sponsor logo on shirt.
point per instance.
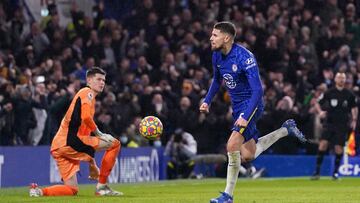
(252, 65)
(229, 81)
(250, 62)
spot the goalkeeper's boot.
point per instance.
(35, 191)
(107, 191)
(223, 198)
(290, 125)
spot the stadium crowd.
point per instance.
(158, 61)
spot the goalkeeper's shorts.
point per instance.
(68, 159)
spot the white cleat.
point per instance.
(107, 191)
(35, 191)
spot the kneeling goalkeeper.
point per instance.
(73, 143)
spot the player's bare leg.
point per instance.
(248, 150)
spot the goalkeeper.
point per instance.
(73, 143)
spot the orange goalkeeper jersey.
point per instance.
(77, 122)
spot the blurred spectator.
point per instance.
(123, 112)
(40, 96)
(77, 48)
(180, 148)
(184, 117)
(38, 40)
(80, 73)
(6, 124)
(159, 108)
(24, 116)
(330, 11)
(188, 91)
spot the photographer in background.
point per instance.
(180, 148)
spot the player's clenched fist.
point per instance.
(204, 108)
(241, 122)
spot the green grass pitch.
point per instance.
(266, 190)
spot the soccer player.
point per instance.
(73, 143)
(339, 105)
(238, 68)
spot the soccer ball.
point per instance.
(151, 127)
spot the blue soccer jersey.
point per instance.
(240, 73)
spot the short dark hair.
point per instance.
(92, 71)
(227, 27)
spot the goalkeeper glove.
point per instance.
(104, 136)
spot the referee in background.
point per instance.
(339, 108)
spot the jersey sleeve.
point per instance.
(252, 74)
(86, 117)
(352, 102)
(324, 102)
(215, 84)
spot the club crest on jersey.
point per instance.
(334, 102)
(229, 81)
(234, 68)
(90, 96)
